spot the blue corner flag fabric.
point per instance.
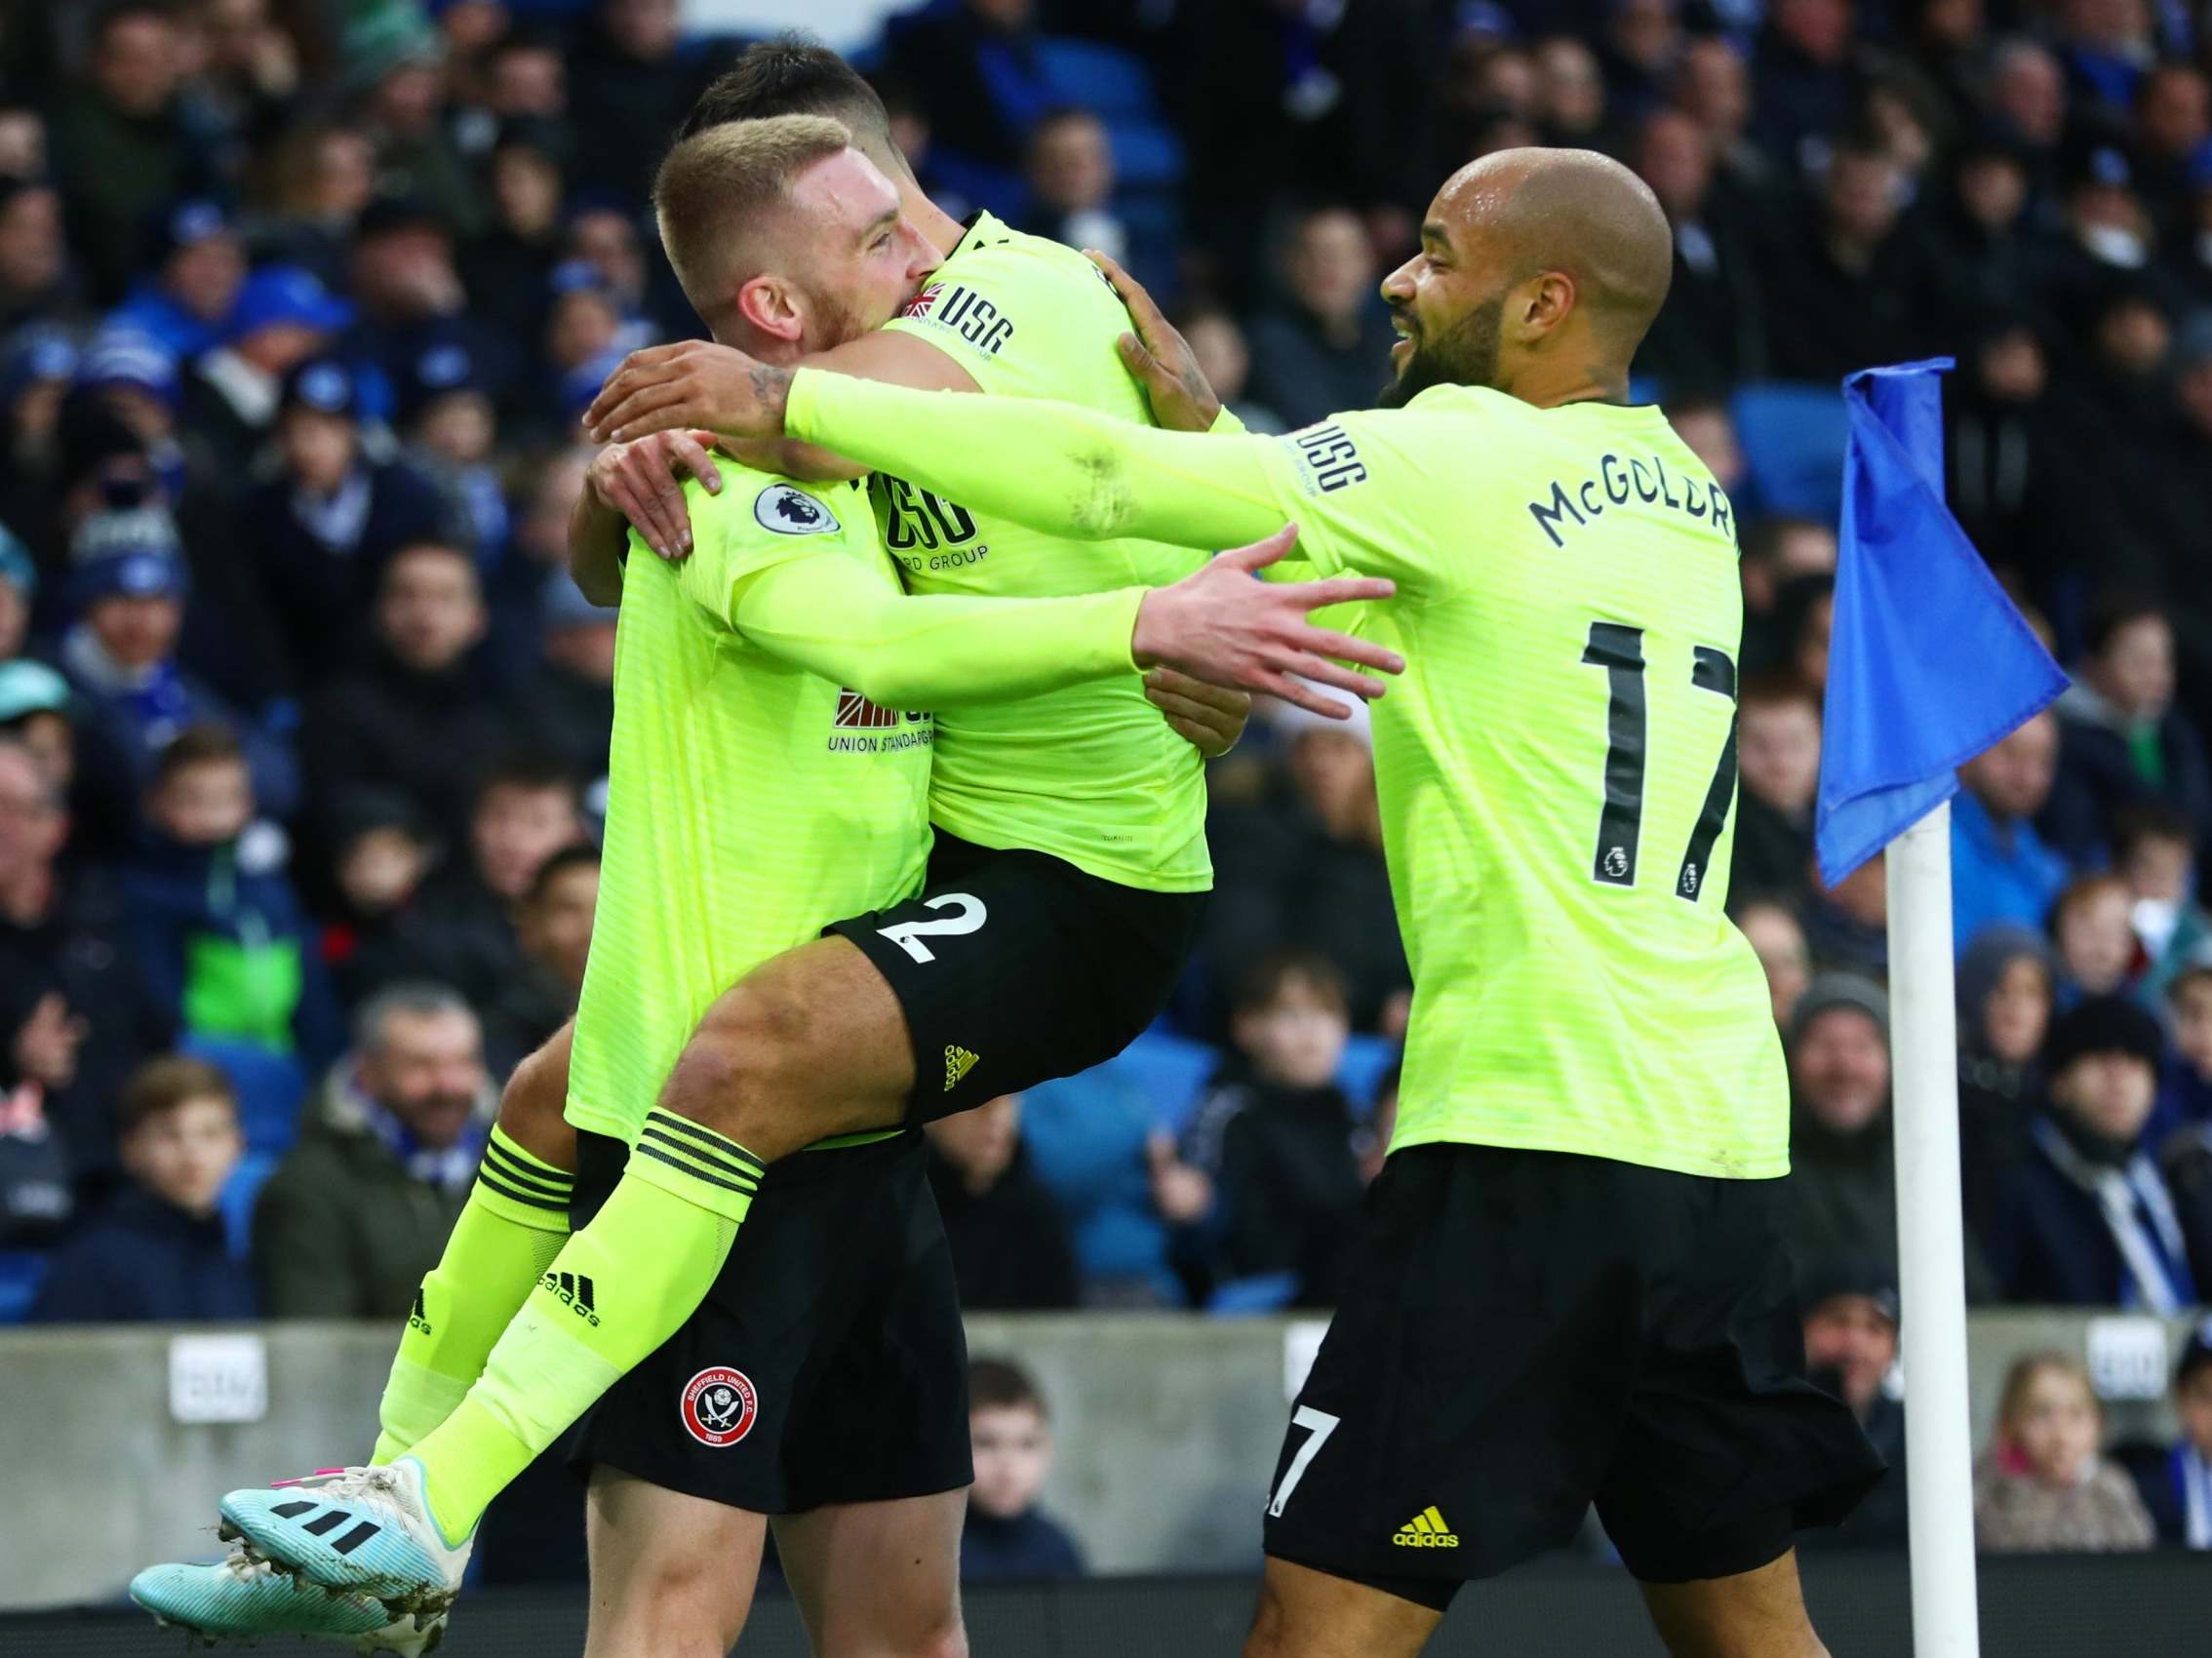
(1928, 664)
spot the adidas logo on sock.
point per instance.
(958, 1063)
(574, 1292)
(418, 1318)
(1426, 1531)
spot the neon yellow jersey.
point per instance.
(1091, 775)
(749, 803)
(1556, 765)
(1558, 773)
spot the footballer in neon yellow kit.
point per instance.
(1572, 1289)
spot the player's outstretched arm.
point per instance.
(829, 615)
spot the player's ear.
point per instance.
(771, 305)
(1542, 303)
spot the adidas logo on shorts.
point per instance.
(958, 1063)
(1426, 1531)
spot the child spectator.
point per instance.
(1275, 1136)
(1010, 1241)
(2175, 1482)
(2152, 854)
(1778, 754)
(2042, 1486)
(2093, 927)
(2125, 741)
(1779, 941)
(1008, 1537)
(218, 934)
(554, 928)
(157, 1253)
(2086, 1219)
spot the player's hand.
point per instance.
(1211, 718)
(1221, 626)
(643, 481)
(694, 383)
(1160, 356)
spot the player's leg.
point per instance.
(513, 1225)
(1304, 1613)
(1760, 1613)
(877, 1580)
(672, 1575)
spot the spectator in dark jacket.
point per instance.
(1276, 1135)
(2002, 870)
(157, 1254)
(218, 934)
(357, 1214)
(2088, 1219)
(461, 923)
(2175, 1480)
(565, 706)
(1330, 348)
(283, 317)
(1847, 276)
(2122, 741)
(1010, 1241)
(331, 516)
(631, 80)
(1850, 1315)
(1778, 756)
(366, 729)
(1008, 1538)
(554, 928)
(198, 264)
(2005, 989)
(1710, 333)
(1841, 1196)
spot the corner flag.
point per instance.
(1928, 662)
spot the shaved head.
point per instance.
(1540, 273)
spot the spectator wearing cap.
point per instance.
(451, 428)
(365, 728)
(129, 584)
(194, 273)
(1850, 1327)
(1301, 865)
(2086, 1219)
(65, 963)
(326, 523)
(283, 317)
(2175, 1480)
(133, 377)
(122, 144)
(2001, 869)
(35, 278)
(563, 705)
(1318, 352)
(1839, 1198)
(2122, 743)
(37, 711)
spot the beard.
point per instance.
(1464, 354)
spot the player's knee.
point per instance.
(744, 1067)
(532, 1109)
(679, 1609)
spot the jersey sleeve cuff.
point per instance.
(1226, 424)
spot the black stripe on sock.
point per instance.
(707, 1138)
(484, 1178)
(659, 1156)
(528, 1164)
(526, 1174)
(325, 1524)
(735, 1171)
(358, 1535)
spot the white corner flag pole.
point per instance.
(1930, 1242)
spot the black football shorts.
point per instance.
(827, 1364)
(1014, 968)
(1524, 1333)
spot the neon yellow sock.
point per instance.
(620, 1288)
(511, 1228)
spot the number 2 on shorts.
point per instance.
(908, 934)
(1319, 1425)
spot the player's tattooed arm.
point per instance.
(1160, 358)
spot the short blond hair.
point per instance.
(718, 188)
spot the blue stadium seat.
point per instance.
(21, 1270)
(1262, 1292)
(1793, 438)
(240, 1193)
(270, 1088)
(1360, 1073)
(1171, 1070)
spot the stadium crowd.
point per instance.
(304, 730)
